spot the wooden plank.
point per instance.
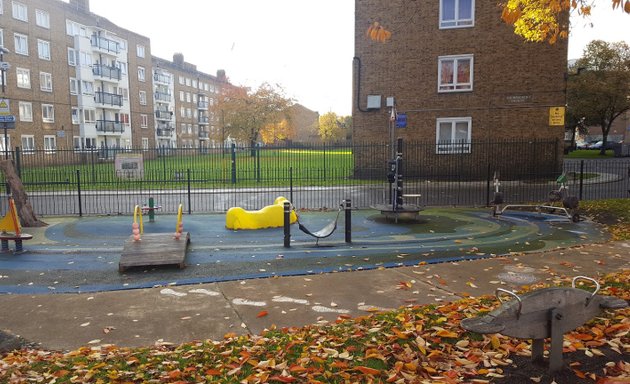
(154, 249)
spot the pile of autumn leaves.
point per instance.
(410, 345)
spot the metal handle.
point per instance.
(520, 303)
(576, 278)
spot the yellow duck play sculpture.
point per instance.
(268, 217)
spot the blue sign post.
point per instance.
(401, 120)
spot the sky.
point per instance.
(304, 46)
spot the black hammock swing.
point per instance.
(328, 230)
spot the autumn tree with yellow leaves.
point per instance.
(246, 112)
(533, 20)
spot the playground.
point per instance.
(83, 254)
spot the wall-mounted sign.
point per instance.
(556, 116)
(401, 120)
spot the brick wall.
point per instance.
(514, 82)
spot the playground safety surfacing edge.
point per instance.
(82, 254)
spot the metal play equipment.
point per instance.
(151, 208)
(11, 230)
(544, 313)
(268, 217)
(142, 249)
(397, 209)
(323, 233)
(559, 200)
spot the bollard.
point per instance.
(348, 213)
(151, 209)
(287, 224)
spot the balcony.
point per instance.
(161, 78)
(203, 120)
(109, 126)
(164, 132)
(203, 135)
(161, 96)
(106, 98)
(163, 115)
(107, 73)
(105, 45)
(202, 105)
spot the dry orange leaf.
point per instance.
(367, 370)
(262, 314)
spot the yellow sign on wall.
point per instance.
(556, 116)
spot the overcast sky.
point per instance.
(305, 46)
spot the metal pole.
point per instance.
(348, 214)
(287, 224)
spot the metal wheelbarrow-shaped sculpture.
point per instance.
(545, 313)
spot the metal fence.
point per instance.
(111, 181)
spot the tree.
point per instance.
(601, 91)
(329, 127)
(546, 20)
(281, 131)
(533, 20)
(22, 204)
(247, 112)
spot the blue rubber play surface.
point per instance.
(82, 254)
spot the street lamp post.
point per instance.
(3, 67)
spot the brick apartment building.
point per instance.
(76, 80)
(458, 73)
(184, 117)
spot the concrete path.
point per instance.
(178, 314)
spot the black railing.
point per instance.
(313, 176)
(164, 132)
(161, 78)
(109, 126)
(104, 44)
(161, 96)
(106, 72)
(106, 98)
(163, 115)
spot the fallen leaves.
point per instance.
(414, 344)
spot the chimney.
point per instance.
(81, 5)
(178, 59)
(221, 76)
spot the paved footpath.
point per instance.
(178, 314)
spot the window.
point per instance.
(194, 96)
(455, 73)
(145, 143)
(74, 86)
(124, 118)
(143, 98)
(23, 77)
(76, 115)
(85, 58)
(194, 83)
(124, 92)
(189, 113)
(28, 144)
(457, 13)
(89, 116)
(453, 135)
(73, 28)
(189, 128)
(26, 111)
(188, 82)
(140, 50)
(182, 111)
(48, 113)
(87, 87)
(188, 97)
(181, 96)
(181, 80)
(72, 57)
(140, 73)
(183, 127)
(21, 44)
(45, 82)
(1, 33)
(43, 49)
(122, 66)
(1, 8)
(42, 18)
(20, 12)
(144, 121)
(50, 144)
